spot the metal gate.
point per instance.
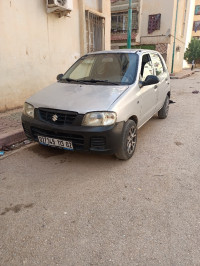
(95, 32)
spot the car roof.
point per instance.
(117, 51)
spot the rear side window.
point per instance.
(157, 64)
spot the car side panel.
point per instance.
(148, 101)
(163, 85)
(141, 102)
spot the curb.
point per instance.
(182, 77)
(11, 138)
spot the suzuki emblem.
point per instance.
(54, 118)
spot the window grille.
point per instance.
(95, 32)
(196, 26)
(197, 10)
(120, 21)
(154, 23)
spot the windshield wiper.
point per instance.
(98, 80)
(70, 80)
(89, 80)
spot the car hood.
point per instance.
(77, 97)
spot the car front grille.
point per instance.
(77, 140)
(57, 117)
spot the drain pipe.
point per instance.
(173, 54)
(129, 33)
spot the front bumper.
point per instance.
(97, 139)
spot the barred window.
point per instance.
(196, 26)
(95, 32)
(197, 10)
(154, 23)
(120, 21)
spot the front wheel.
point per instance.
(163, 113)
(128, 141)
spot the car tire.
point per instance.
(128, 141)
(163, 113)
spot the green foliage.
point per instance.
(193, 51)
(145, 46)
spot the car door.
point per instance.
(148, 94)
(162, 73)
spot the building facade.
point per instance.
(158, 23)
(119, 22)
(196, 21)
(35, 45)
(190, 26)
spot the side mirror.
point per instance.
(150, 80)
(59, 77)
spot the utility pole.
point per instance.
(129, 33)
(172, 68)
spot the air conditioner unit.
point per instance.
(63, 7)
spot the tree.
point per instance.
(193, 51)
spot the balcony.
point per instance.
(122, 36)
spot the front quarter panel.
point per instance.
(128, 104)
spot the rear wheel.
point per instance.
(128, 141)
(163, 113)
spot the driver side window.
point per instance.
(146, 68)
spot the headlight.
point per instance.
(28, 110)
(96, 119)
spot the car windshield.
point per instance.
(105, 68)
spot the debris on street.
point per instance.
(2, 153)
(27, 141)
(178, 143)
(14, 146)
(195, 92)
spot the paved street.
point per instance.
(64, 208)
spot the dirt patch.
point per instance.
(46, 152)
(17, 208)
(178, 143)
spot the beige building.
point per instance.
(157, 26)
(153, 27)
(35, 45)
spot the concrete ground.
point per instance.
(64, 208)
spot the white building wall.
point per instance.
(165, 8)
(95, 4)
(36, 46)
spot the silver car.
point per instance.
(100, 102)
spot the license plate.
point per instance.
(56, 142)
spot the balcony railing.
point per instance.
(122, 36)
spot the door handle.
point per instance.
(155, 87)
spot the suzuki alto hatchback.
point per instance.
(100, 102)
